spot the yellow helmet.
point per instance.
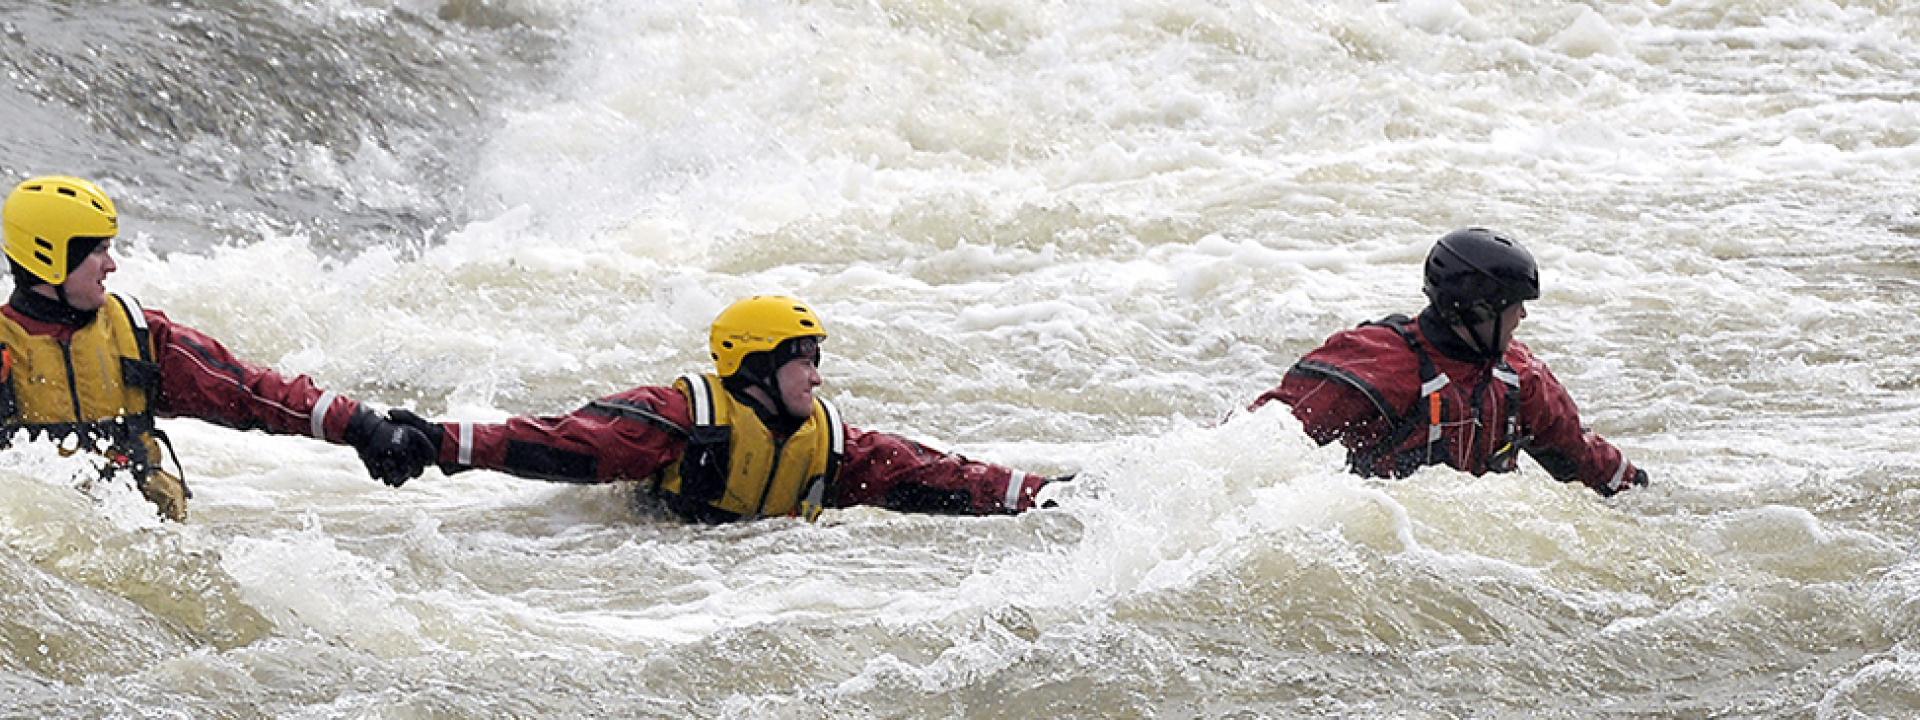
(759, 324)
(44, 214)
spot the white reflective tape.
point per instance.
(134, 312)
(701, 398)
(1619, 476)
(1507, 376)
(1433, 386)
(319, 413)
(1433, 434)
(466, 443)
(1014, 483)
(834, 429)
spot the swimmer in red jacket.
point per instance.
(1452, 387)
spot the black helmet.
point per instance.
(1473, 274)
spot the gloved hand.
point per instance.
(1055, 479)
(394, 452)
(1638, 480)
(435, 433)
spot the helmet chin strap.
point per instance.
(762, 370)
(1487, 344)
(771, 384)
(767, 383)
(1483, 345)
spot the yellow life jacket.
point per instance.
(734, 465)
(97, 387)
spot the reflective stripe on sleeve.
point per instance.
(1507, 376)
(1619, 476)
(1433, 386)
(1014, 482)
(319, 413)
(466, 444)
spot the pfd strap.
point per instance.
(135, 313)
(141, 374)
(160, 436)
(700, 397)
(137, 317)
(815, 499)
(1364, 462)
(835, 430)
(704, 464)
(1506, 375)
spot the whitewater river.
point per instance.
(1063, 236)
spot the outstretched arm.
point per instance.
(896, 473)
(1566, 449)
(602, 442)
(200, 378)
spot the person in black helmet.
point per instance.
(1452, 386)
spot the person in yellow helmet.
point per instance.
(91, 369)
(749, 440)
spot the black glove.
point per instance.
(434, 432)
(394, 452)
(1639, 480)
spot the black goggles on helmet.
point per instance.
(794, 348)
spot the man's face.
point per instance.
(87, 284)
(797, 380)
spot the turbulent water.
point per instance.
(1065, 236)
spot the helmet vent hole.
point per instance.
(43, 243)
(67, 192)
(728, 344)
(43, 257)
(806, 323)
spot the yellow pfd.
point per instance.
(93, 392)
(735, 469)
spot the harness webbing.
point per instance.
(1430, 410)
